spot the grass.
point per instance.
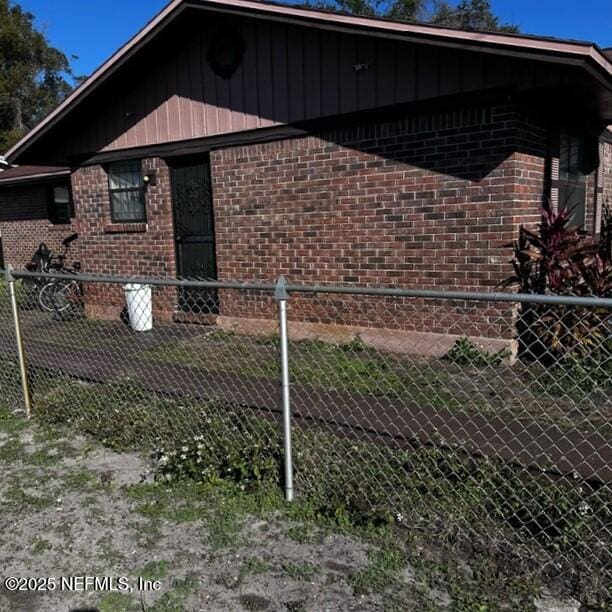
(175, 599)
(181, 503)
(302, 572)
(19, 501)
(302, 534)
(40, 545)
(117, 602)
(225, 509)
(253, 566)
(468, 379)
(11, 450)
(155, 570)
(9, 423)
(385, 565)
(450, 491)
(81, 480)
(444, 491)
(391, 552)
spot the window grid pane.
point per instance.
(572, 177)
(127, 191)
(128, 205)
(125, 175)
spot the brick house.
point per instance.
(236, 140)
(35, 207)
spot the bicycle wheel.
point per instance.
(56, 296)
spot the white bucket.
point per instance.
(139, 300)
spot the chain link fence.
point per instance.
(475, 420)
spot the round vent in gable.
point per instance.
(225, 50)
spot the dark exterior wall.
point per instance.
(289, 74)
(24, 223)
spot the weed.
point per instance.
(175, 599)
(10, 423)
(117, 602)
(221, 335)
(253, 566)
(40, 545)
(181, 503)
(303, 572)
(302, 534)
(469, 353)
(81, 480)
(223, 530)
(12, 450)
(384, 567)
(154, 570)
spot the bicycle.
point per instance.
(57, 295)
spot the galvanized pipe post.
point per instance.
(281, 296)
(23, 370)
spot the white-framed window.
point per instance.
(127, 192)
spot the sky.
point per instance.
(92, 30)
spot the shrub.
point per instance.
(562, 260)
(243, 450)
(467, 352)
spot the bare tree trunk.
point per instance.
(17, 114)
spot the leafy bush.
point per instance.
(467, 352)
(243, 450)
(562, 260)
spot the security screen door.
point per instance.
(194, 231)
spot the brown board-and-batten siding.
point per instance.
(288, 74)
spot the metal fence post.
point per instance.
(23, 370)
(281, 296)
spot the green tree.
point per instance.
(467, 14)
(34, 76)
(470, 15)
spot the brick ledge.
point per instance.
(125, 228)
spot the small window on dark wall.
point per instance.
(573, 170)
(127, 192)
(59, 204)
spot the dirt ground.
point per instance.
(72, 509)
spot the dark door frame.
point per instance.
(204, 300)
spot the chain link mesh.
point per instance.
(480, 422)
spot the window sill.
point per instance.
(60, 227)
(125, 228)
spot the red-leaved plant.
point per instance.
(561, 259)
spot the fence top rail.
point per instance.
(479, 296)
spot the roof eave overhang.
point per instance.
(499, 44)
(33, 178)
(99, 76)
(578, 54)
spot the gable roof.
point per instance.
(572, 53)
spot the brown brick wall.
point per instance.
(24, 223)
(126, 249)
(393, 203)
(607, 174)
(426, 202)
